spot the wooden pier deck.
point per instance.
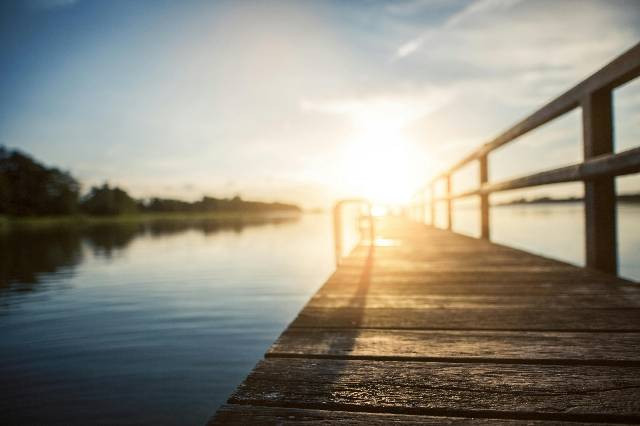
(431, 327)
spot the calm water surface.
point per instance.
(127, 324)
(556, 230)
(157, 323)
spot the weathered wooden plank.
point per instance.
(473, 319)
(569, 392)
(459, 266)
(471, 275)
(449, 257)
(249, 414)
(439, 246)
(453, 260)
(414, 285)
(433, 324)
(532, 347)
(428, 301)
(401, 242)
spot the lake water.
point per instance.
(555, 230)
(147, 323)
(159, 322)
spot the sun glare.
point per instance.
(378, 165)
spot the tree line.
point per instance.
(29, 188)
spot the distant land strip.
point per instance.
(29, 189)
(624, 198)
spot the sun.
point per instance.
(378, 163)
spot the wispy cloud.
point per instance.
(397, 109)
(477, 8)
(269, 94)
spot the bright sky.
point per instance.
(299, 101)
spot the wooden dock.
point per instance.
(431, 327)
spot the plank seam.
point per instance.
(448, 412)
(466, 360)
(515, 330)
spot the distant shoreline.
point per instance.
(623, 198)
(7, 222)
(29, 189)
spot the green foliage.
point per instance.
(166, 205)
(210, 204)
(105, 200)
(28, 188)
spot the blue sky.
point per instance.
(300, 101)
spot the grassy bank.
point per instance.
(78, 220)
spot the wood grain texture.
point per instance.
(422, 326)
(470, 275)
(420, 386)
(516, 347)
(415, 287)
(513, 300)
(472, 319)
(248, 414)
(430, 327)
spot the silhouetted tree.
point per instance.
(167, 205)
(30, 188)
(105, 200)
(210, 204)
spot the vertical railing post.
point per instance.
(449, 202)
(600, 193)
(414, 210)
(337, 224)
(337, 231)
(372, 225)
(432, 203)
(484, 199)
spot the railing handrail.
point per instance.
(598, 170)
(621, 70)
(623, 163)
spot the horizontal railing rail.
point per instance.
(624, 163)
(598, 170)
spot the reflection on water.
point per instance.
(32, 250)
(158, 322)
(151, 322)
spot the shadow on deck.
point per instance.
(432, 327)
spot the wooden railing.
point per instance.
(598, 170)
